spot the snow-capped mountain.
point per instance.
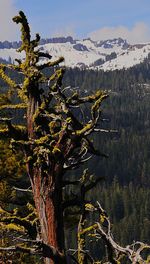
(106, 55)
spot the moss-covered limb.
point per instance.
(83, 254)
(4, 212)
(12, 227)
(76, 127)
(25, 30)
(50, 64)
(26, 250)
(30, 85)
(27, 224)
(5, 98)
(84, 230)
(56, 127)
(28, 45)
(76, 100)
(7, 79)
(15, 106)
(86, 128)
(96, 106)
(7, 214)
(81, 241)
(44, 116)
(58, 76)
(81, 235)
(16, 132)
(101, 230)
(89, 127)
(21, 129)
(43, 140)
(4, 133)
(89, 229)
(62, 106)
(55, 90)
(24, 145)
(16, 220)
(12, 66)
(39, 248)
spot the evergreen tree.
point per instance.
(52, 139)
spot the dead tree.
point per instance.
(53, 138)
(100, 231)
(94, 226)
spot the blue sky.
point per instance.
(79, 18)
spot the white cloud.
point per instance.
(64, 32)
(8, 29)
(140, 33)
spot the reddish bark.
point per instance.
(48, 202)
(47, 193)
(32, 106)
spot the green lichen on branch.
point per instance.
(7, 79)
(53, 138)
(25, 30)
(12, 221)
(15, 106)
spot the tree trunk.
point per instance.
(47, 193)
(48, 201)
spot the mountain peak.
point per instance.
(110, 43)
(110, 54)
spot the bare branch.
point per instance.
(105, 130)
(23, 190)
(45, 55)
(114, 249)
(31, 251)
(74, 165)
(50, 64)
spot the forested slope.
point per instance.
(124, 190)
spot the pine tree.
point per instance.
(52, 139)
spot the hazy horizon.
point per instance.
(81, 19)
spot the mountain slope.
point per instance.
(106, 55)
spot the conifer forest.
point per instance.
(74, 161)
